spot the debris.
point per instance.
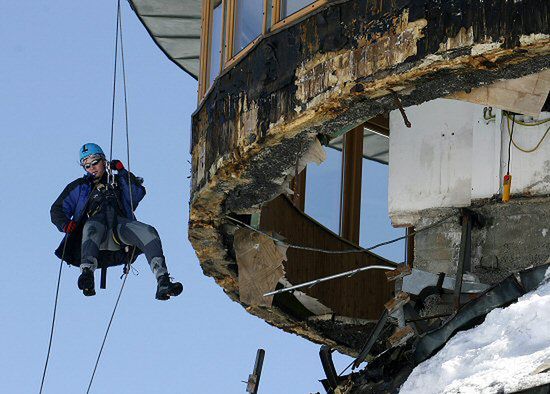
(259, 261)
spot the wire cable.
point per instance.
(510, 144)
(54, 313)
(345, 251)
(525, 150)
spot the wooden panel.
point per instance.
(350, 212)
(361, 296)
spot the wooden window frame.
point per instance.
(278, 23)
(350, 199)
(228, 34)
(206, 44)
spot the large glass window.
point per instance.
(323, 183)
(289, 7)
(248, 22)
(375, 222)
(216, 47)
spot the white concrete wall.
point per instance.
(530, 171)
(452, 156)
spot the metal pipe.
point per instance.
(327, 278)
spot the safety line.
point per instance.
(54, 313)
(344, 251)
(127, 268)
(106, 333)
(114, 84)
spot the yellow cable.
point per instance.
(519, 147)
(537, 123)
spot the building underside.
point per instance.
(263, 119)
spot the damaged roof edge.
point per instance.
(192, 10)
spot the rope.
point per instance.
(114, 83)
(345, 251)
(106, 333)
(54, 314)
(127, 269)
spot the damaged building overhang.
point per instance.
(325, 74)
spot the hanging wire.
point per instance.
(345, 251)
(514, 121)
(510, 143)
(54, 313)
(127, 268)
(106, 333)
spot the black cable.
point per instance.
(510, 144)
(106, 333)
(54, 313)
(345, 251)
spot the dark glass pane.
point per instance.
(248, 22)
(289, 7)
(216, 43)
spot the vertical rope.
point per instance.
(118, 34)
(114, 82)
(54, 314)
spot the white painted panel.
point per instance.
(530, 171)
(430, 163)
(486, 155)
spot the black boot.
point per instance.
(167, 289)
(86, 282)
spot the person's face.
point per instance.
(94, 166)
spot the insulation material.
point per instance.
(310, 303)
(260, 263)
(522, 95)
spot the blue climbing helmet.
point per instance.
(90, 149)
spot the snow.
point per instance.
(498, 356)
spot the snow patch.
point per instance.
(499, 355)
(544, 232)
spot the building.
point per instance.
(432, 91)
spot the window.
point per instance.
(248, 22)
(289, 7)
(323, 183)
(375, 223)
(216, 46)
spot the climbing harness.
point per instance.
(111, 183)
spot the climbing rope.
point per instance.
(54, 313)
(128, 264)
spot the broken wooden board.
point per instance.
(524, 95)
(260, 263)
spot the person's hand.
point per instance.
(69, 227)
(117, 165)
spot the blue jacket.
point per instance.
(71, 205)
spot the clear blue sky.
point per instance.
(55, 79)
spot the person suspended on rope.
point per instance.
(96, 213)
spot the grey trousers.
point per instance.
(98, 235)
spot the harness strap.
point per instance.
(103, 279)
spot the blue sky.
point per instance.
(55, 78)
